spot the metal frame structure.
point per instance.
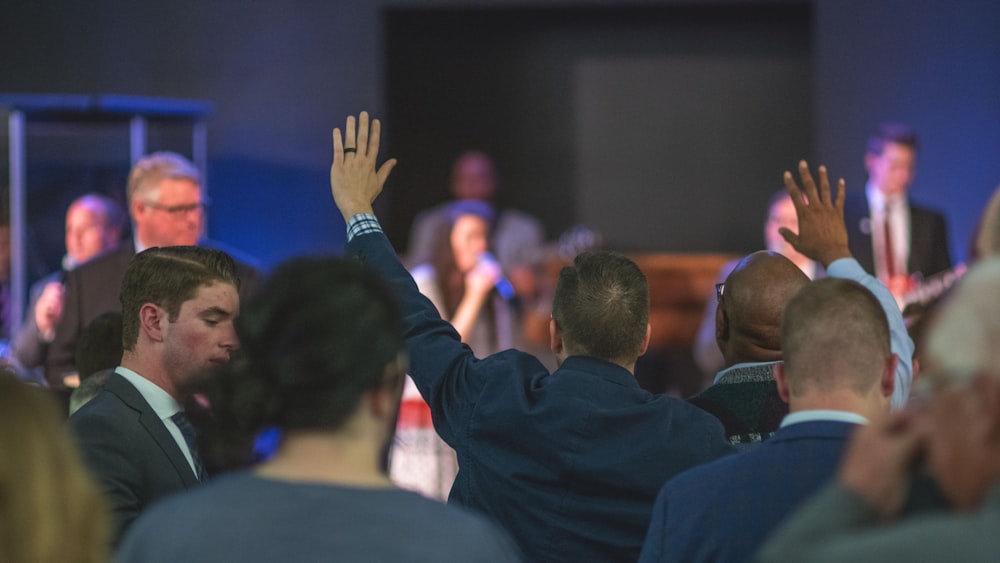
(139, 113)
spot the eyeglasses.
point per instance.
(180, 210)
(720, 288)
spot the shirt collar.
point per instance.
(823, 414)
(162, 403)
(721, 374)
(878, 200)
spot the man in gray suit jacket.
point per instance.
(956, 430)
(178, 305)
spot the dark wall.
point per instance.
(281, 74)
(634, 121)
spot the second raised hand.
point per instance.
(822, 234)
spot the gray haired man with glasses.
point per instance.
(167, 205)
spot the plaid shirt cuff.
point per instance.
(362, 224)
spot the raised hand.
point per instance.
(354, 181)
(822, 234)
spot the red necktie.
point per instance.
(889, 255)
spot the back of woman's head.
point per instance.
(50, 509)
(317, 334)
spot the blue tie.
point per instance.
(191, 438)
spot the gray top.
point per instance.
(247, 518)
(839, 526)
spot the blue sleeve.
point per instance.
(442, 367)
(902, 345)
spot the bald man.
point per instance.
(94, 225)
(780, 213)
(744, 395)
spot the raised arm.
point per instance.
(822, 237)
(440, 365)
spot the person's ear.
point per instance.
(152, 320)
(645, 340)
(137, 207)
(782, 381)
(384, 400)
(887, 381)
(721, 325)
(555, 338)
(870, 161)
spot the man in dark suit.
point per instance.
(898, 242)
(568, 462)
(179, 304)
(167, 207)
(838, 372)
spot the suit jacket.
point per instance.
(838, 525)
(92, 289)
(723, 510)
(929, 252)
(568, 462)
(129, 450)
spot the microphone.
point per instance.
(502, 285)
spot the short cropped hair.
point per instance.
(601, 306)
(147, 174)
(168, 277)
(896, 133)
(834, 334)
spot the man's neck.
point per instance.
(844, 400)
(150, 371)
(331, 457)
(749, 353)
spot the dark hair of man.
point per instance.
(100, 344)
(314, 338)
(601, 306)
(895, 133)
(834, 334)
(168, 277)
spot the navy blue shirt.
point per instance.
(723, 511)
(568, 462)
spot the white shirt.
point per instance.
(896, 211)
(822, 414)
(163, 405)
